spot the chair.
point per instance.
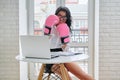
(53, 76)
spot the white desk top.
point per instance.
(60, 59)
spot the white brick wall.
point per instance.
(109, 40)
(9, 66)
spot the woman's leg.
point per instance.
(75, 69)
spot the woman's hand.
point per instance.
(64, 46)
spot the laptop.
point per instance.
(32, 46)
(35, 46)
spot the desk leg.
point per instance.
(41, 72)
(64, 73)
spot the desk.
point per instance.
(60, 60)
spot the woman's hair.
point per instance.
(68, 15)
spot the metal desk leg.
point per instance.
(41, 72)
(49, 76)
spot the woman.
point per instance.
(64, 16)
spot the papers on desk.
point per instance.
(53, 54)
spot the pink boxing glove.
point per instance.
(49, 23)
(64, 33)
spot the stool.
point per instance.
(64, 74)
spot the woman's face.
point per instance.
(62, 16)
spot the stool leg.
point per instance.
(41, 72)
(64, 73)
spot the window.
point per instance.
(79, 11)
(42, 8)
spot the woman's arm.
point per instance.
(64, 47)
(64, 34)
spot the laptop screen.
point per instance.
(35, 46)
